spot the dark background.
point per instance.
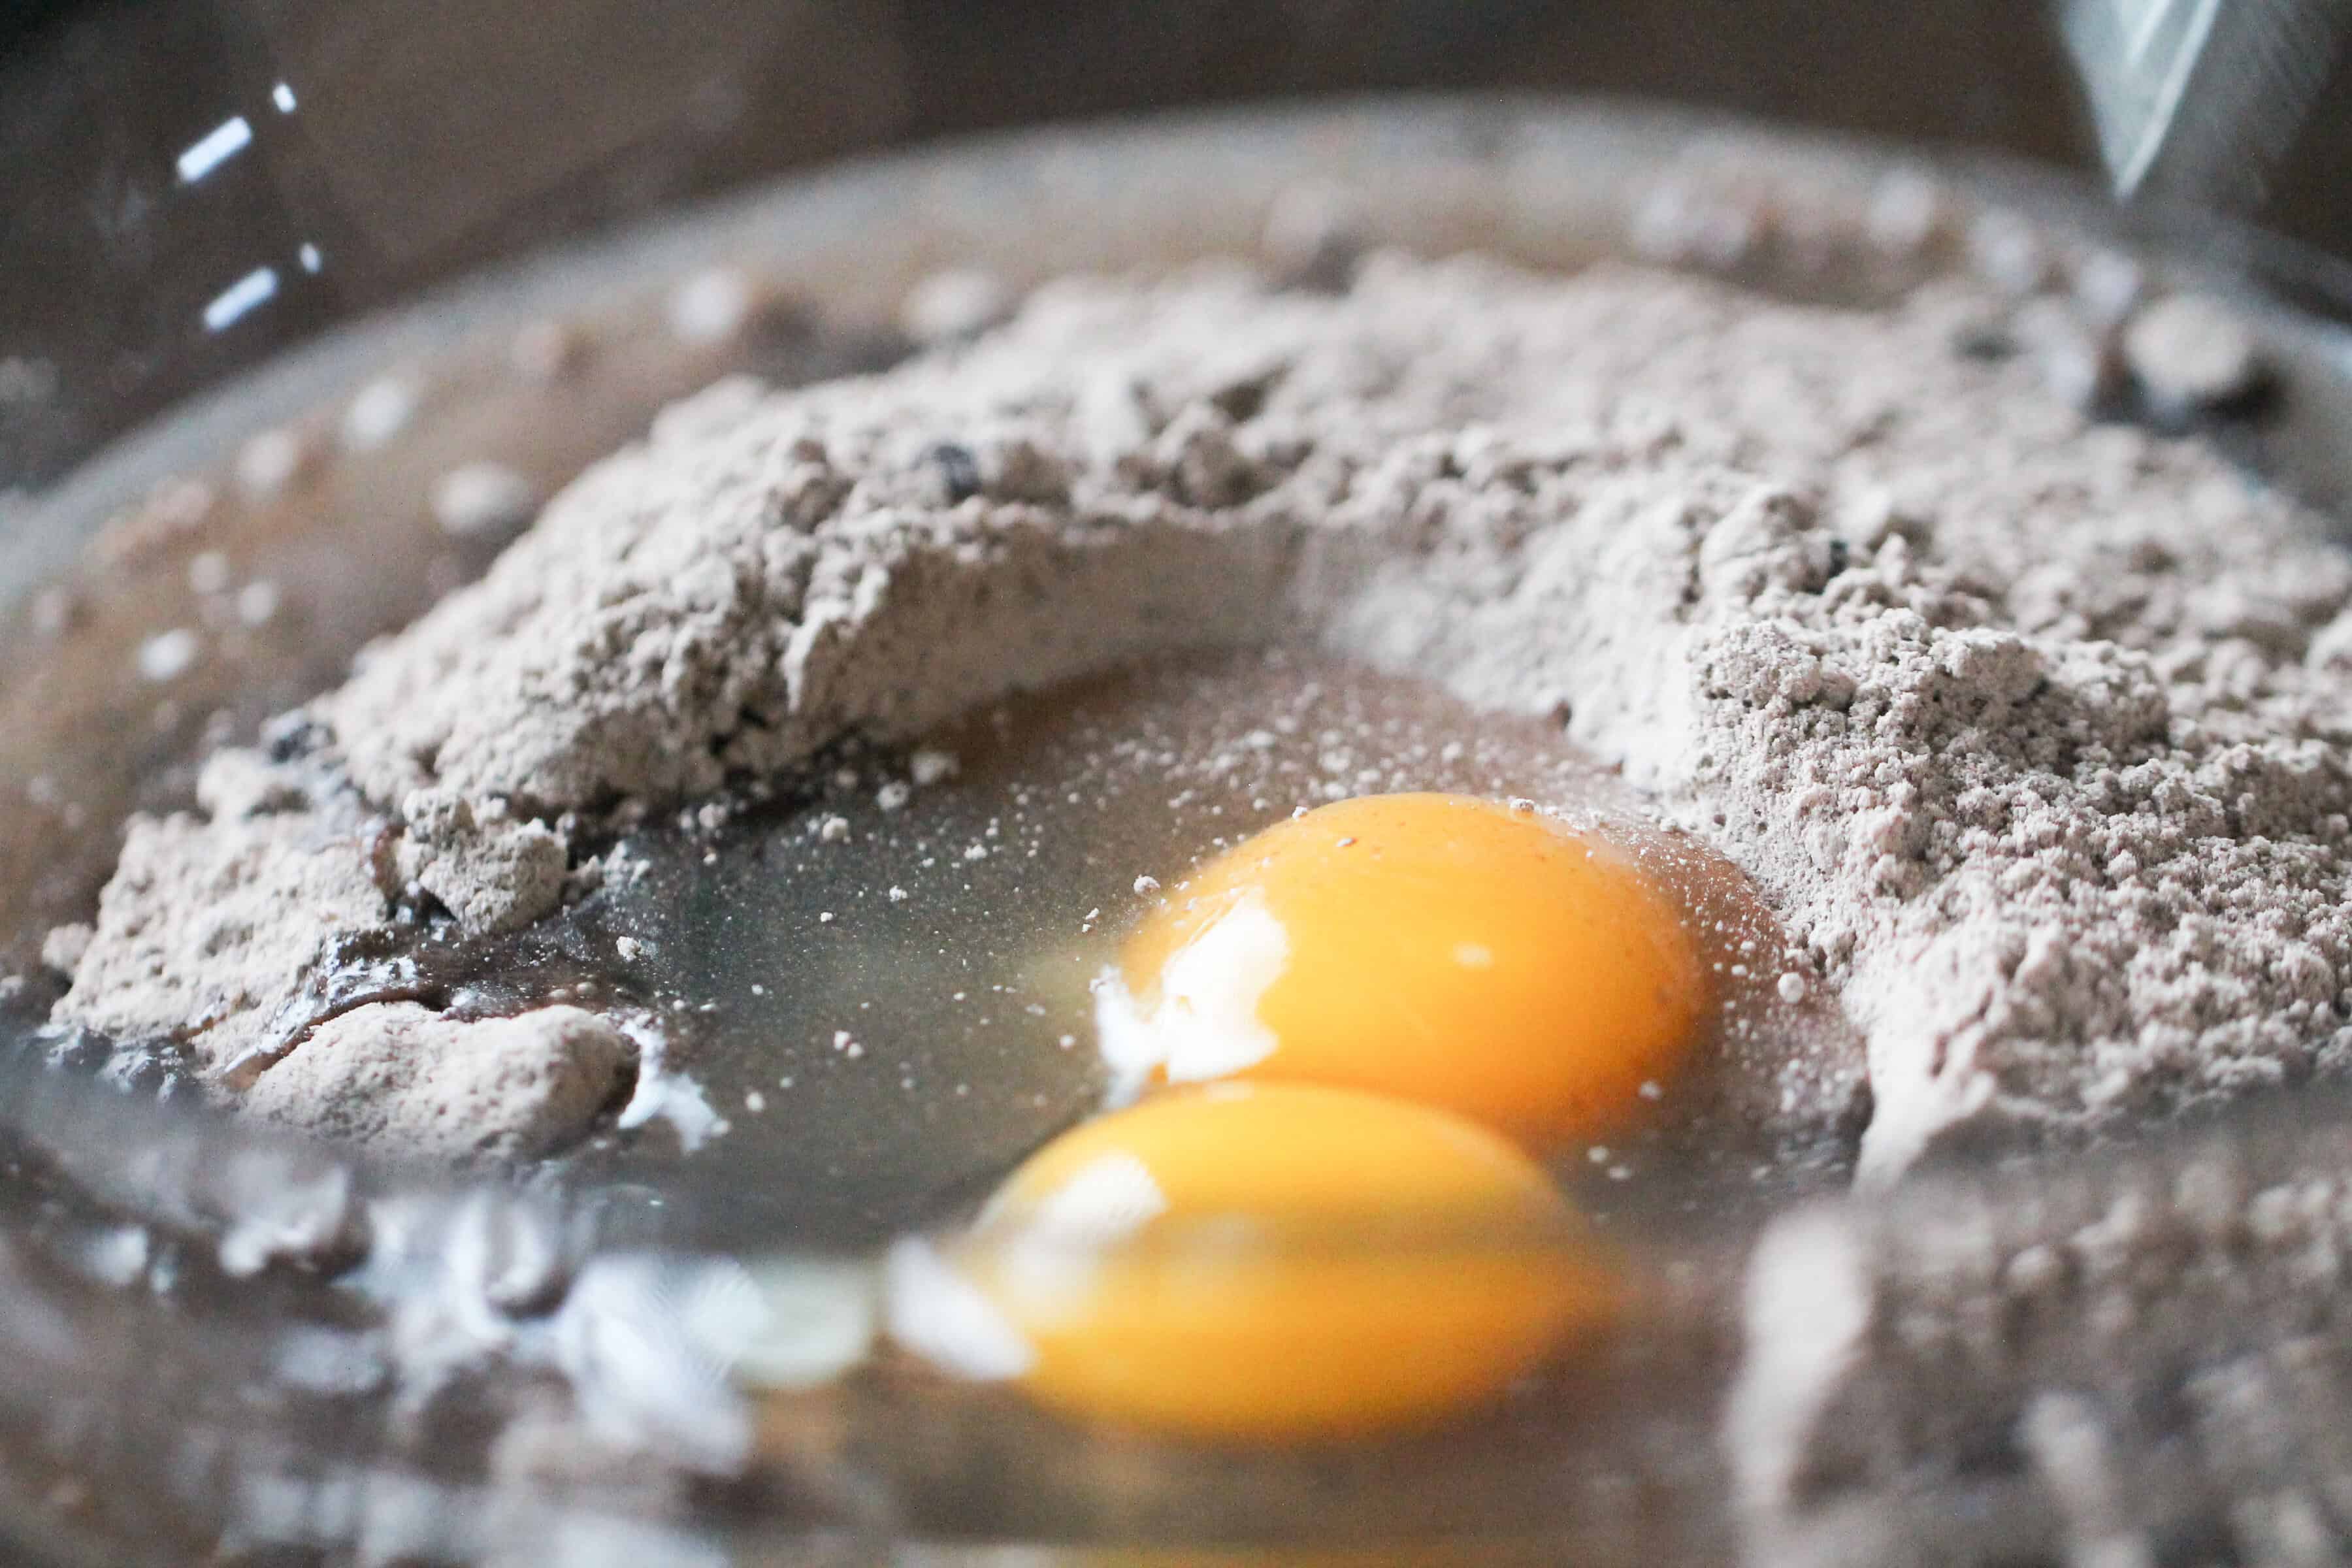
(435, 134)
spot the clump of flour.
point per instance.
(396, 1075)
(2029, 728)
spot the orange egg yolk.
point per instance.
(1451, 951)
(1265, 1262)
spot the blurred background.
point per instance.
(194, 184)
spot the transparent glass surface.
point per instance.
(226, 1344)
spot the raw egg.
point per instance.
(1448, 950)
(1262, 1263)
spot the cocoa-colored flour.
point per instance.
(2029, 728)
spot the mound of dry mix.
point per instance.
(2030, 727)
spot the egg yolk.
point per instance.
(1267, 1262)
(1444, 949)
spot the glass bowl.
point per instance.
(227, 1342)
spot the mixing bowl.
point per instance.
(297, 284)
